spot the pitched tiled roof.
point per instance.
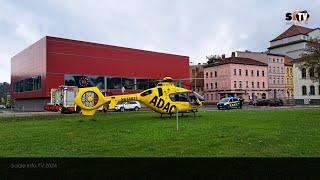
(288, 61)
(237, 60)
(292, 31)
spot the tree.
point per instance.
(4, 91)
(310, 59)
(213, 58)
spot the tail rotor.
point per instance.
(89, 99)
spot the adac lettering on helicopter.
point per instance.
(161, 104)
(129, 99)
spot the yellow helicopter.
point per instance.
(165, 98)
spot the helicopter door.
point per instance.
(193, 100)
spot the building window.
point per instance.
(277, 69)
(270, 80)
(281, 60)
(128, 83)
(263, 86)
(239, 72)
(29, 84)
(114, 83)
(215, 85)
(304, 90)
(263, 73)
(304, 73)
(207, 85)
(311, 72)
(215, 73)
(287, 80)
(273, 59)
(312, 90)
(274, 69)
(274, 80)
(269, 59)
(234, 84)
(281, 69)
(258, 84)
(234, 71)
(207, 96)
(211, 96)
(252, 72)
(258, 73)
(240, 84)
(278, 80)
(206, 74)
(246, 72)
(277, 60)
(290, 71)
(211, 85)
(247, 84)
(287, 71)
(252, 84)
(269, 68)
(211, 74)
(282, 80)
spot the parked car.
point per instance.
(132, 105)
(228, 103)
(265, 102)
(3, 106)
(278, 102)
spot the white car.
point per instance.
(3, 106)
(132, 105)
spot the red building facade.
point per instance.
(52, 61)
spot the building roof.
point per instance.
(237, 60)
(288, 61)
(292, 31)
(286, 44)
(273, 54)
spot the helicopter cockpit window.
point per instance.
(198, 96)
(145, 93)
(182, 97)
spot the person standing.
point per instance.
(241, 101)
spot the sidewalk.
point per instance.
(16, 113)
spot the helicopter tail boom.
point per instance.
(90, 99)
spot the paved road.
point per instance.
(251, 107)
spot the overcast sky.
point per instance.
(194, 28)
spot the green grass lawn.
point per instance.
(227, 133)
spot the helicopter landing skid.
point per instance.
(182, 114)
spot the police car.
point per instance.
(228, 103)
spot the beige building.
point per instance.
(196, 78)
(289, 77)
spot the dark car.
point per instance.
(265, 102)
(278, 102)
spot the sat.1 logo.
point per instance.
(298, 17)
